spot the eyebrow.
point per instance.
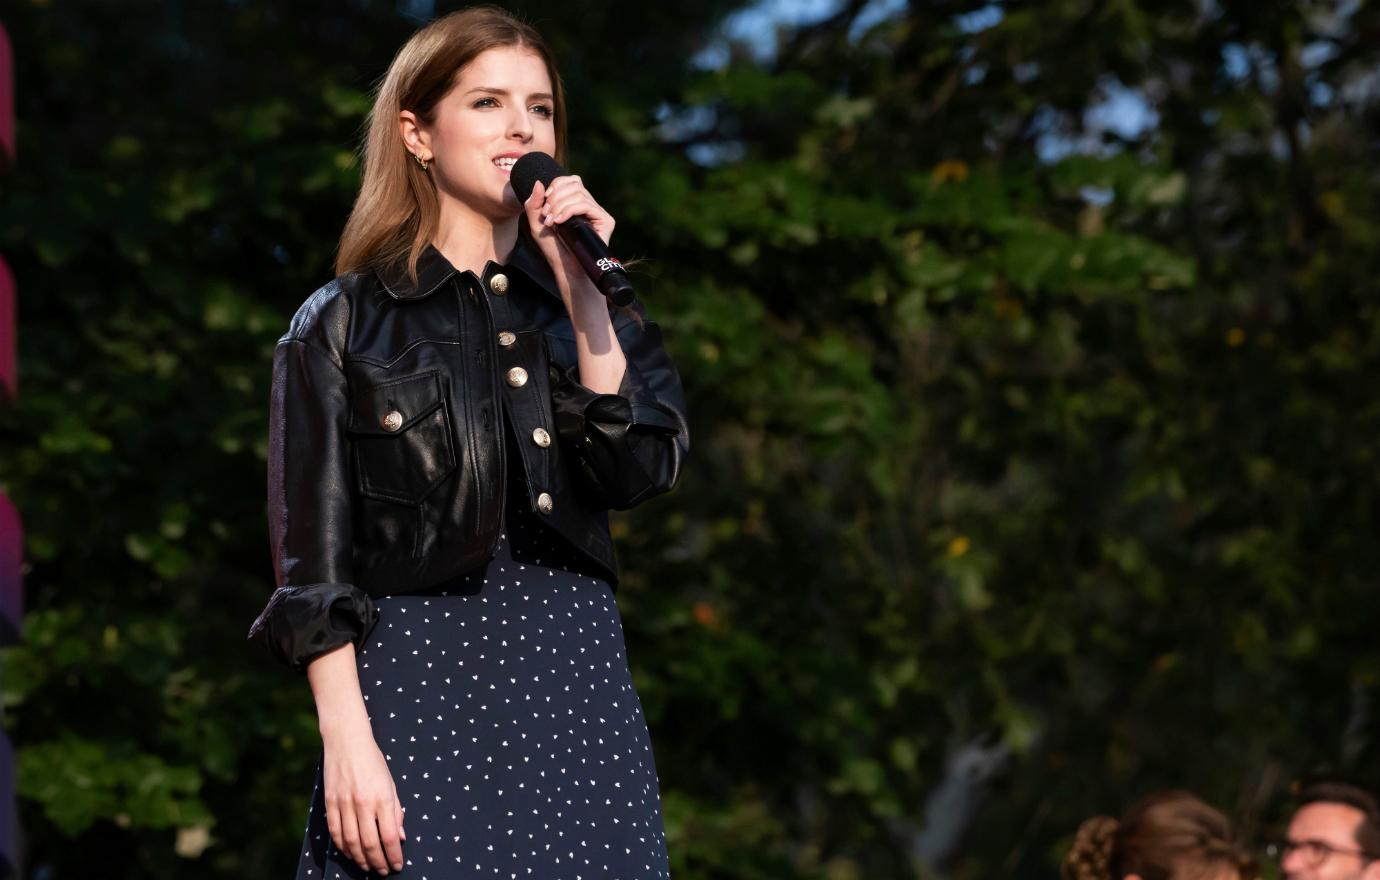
(493, 91)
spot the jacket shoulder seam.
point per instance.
(312, 347)
(308, 318)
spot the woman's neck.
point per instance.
(468, 239)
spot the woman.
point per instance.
(451, 419)
(1167, 836)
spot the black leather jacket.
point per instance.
(387, 465)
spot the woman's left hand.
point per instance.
(566, 198)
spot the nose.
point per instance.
(520, 125)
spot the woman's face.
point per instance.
(500, 107)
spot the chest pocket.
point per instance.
(402, 438)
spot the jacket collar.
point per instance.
(434, 270)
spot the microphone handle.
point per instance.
(604, 270)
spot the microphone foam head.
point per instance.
(528, 169)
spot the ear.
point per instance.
(417, 138)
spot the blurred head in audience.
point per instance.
(1166, 836)
(1334, 835)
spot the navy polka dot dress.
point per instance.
(503, 703)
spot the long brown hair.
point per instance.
(396, 212)
(1171, 835)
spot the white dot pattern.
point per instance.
(503, 703)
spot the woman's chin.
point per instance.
(502, 204)
(510, 200)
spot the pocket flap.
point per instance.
(394, 406)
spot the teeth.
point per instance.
(506, 162)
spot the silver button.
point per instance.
(392, 421)
(541, 438)
(499, 284)
(517, 377)
(506, 338)
(545, 503)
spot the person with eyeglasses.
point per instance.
(1334, 835)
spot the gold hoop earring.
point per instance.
(420, 161)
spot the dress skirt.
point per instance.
(504, 706)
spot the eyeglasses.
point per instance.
(1314, 852)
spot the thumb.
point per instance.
(533, 208)
(534, 202)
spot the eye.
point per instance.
(482, 102)
(544, 109)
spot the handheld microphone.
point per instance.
(577, 233)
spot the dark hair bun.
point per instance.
(1090, 858)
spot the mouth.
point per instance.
(504, 163)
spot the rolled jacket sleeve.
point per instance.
(316, 606)
(626, 447)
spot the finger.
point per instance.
(556, 202)
(599, 220)
(567, 183)
(333, 825)
(389, 834)
(369, 838)
(564, 210)
(556, 195)
(562, 195)
(349, 833)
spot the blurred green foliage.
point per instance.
(1035, 456)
